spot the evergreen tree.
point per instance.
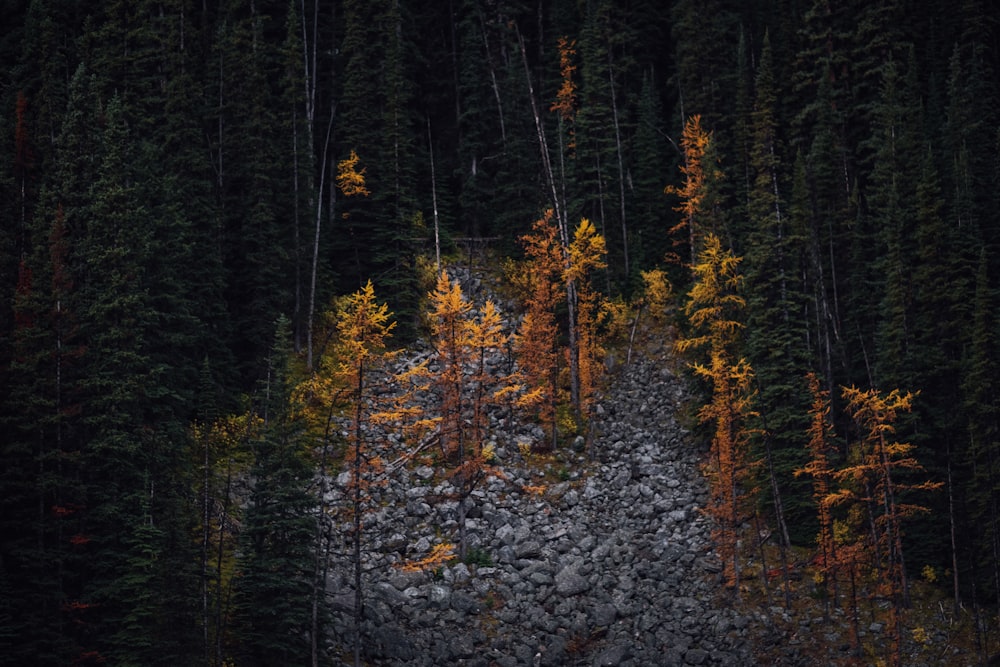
(133, 464)
(776, 338)
(251, 193)
(377, 121)
(274, 580)
(650, 205)
(980, 402)
(45, 494)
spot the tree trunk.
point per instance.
(315, 258)
(574, 344)
(621, 167)
(434, 201)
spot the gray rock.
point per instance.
(465, 603)
(439, 595)
(570, 582)
(603, 615)
(528, 549)
(696, 656)
(614, 656)
(390, 642)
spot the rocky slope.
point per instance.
(597, 562)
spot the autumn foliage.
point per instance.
(351, 180)
(566, 102)
(692, 193)
(820, 468)
(713, 309)
(587, 251)
(537, 338)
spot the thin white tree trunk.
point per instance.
(434, 201)
(315, 259)
(574, 344)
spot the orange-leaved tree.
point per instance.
(713, 311)
(821, 470)
(872, 480)
(565, 104)
(587, 253)
(351, 182)
(355, 369)
(537, 339)
(466, 385)
(730, 468)
(693, 193)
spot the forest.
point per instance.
(199, 196)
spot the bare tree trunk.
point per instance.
(322, 559)
(356, 538)
(571, 296)
(206, 542)
(952, 521)
(434, 201)
(493, 80)
(621, 167)
(315, 258)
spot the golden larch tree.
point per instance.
(565, 104)
(536, 341)
(587, 253)
(871, 482)
(713, 308)
(820, 469)
(695, 142)
(465, 386)
(357, 369)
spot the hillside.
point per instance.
(221, 232)
(574, 562)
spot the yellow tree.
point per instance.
(713, 309)
(729, 467)
(357, 365)
(714, 302)
(536, 342)
(224, 448)
(466, 385)
(869, 480)
(695, 142)
(351, 182)
(565, 104)
(821, 470)
(587, 251)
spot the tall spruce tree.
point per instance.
(272, 593)
(776, 341)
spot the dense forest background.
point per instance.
(169, 203)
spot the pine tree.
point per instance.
(776, 343)
(134, 472)
(705, 77)
(650, 201)
(599, 143)
(378, 122)
(45, 493)
(222, 448)
(275, 566)
(979, 393)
